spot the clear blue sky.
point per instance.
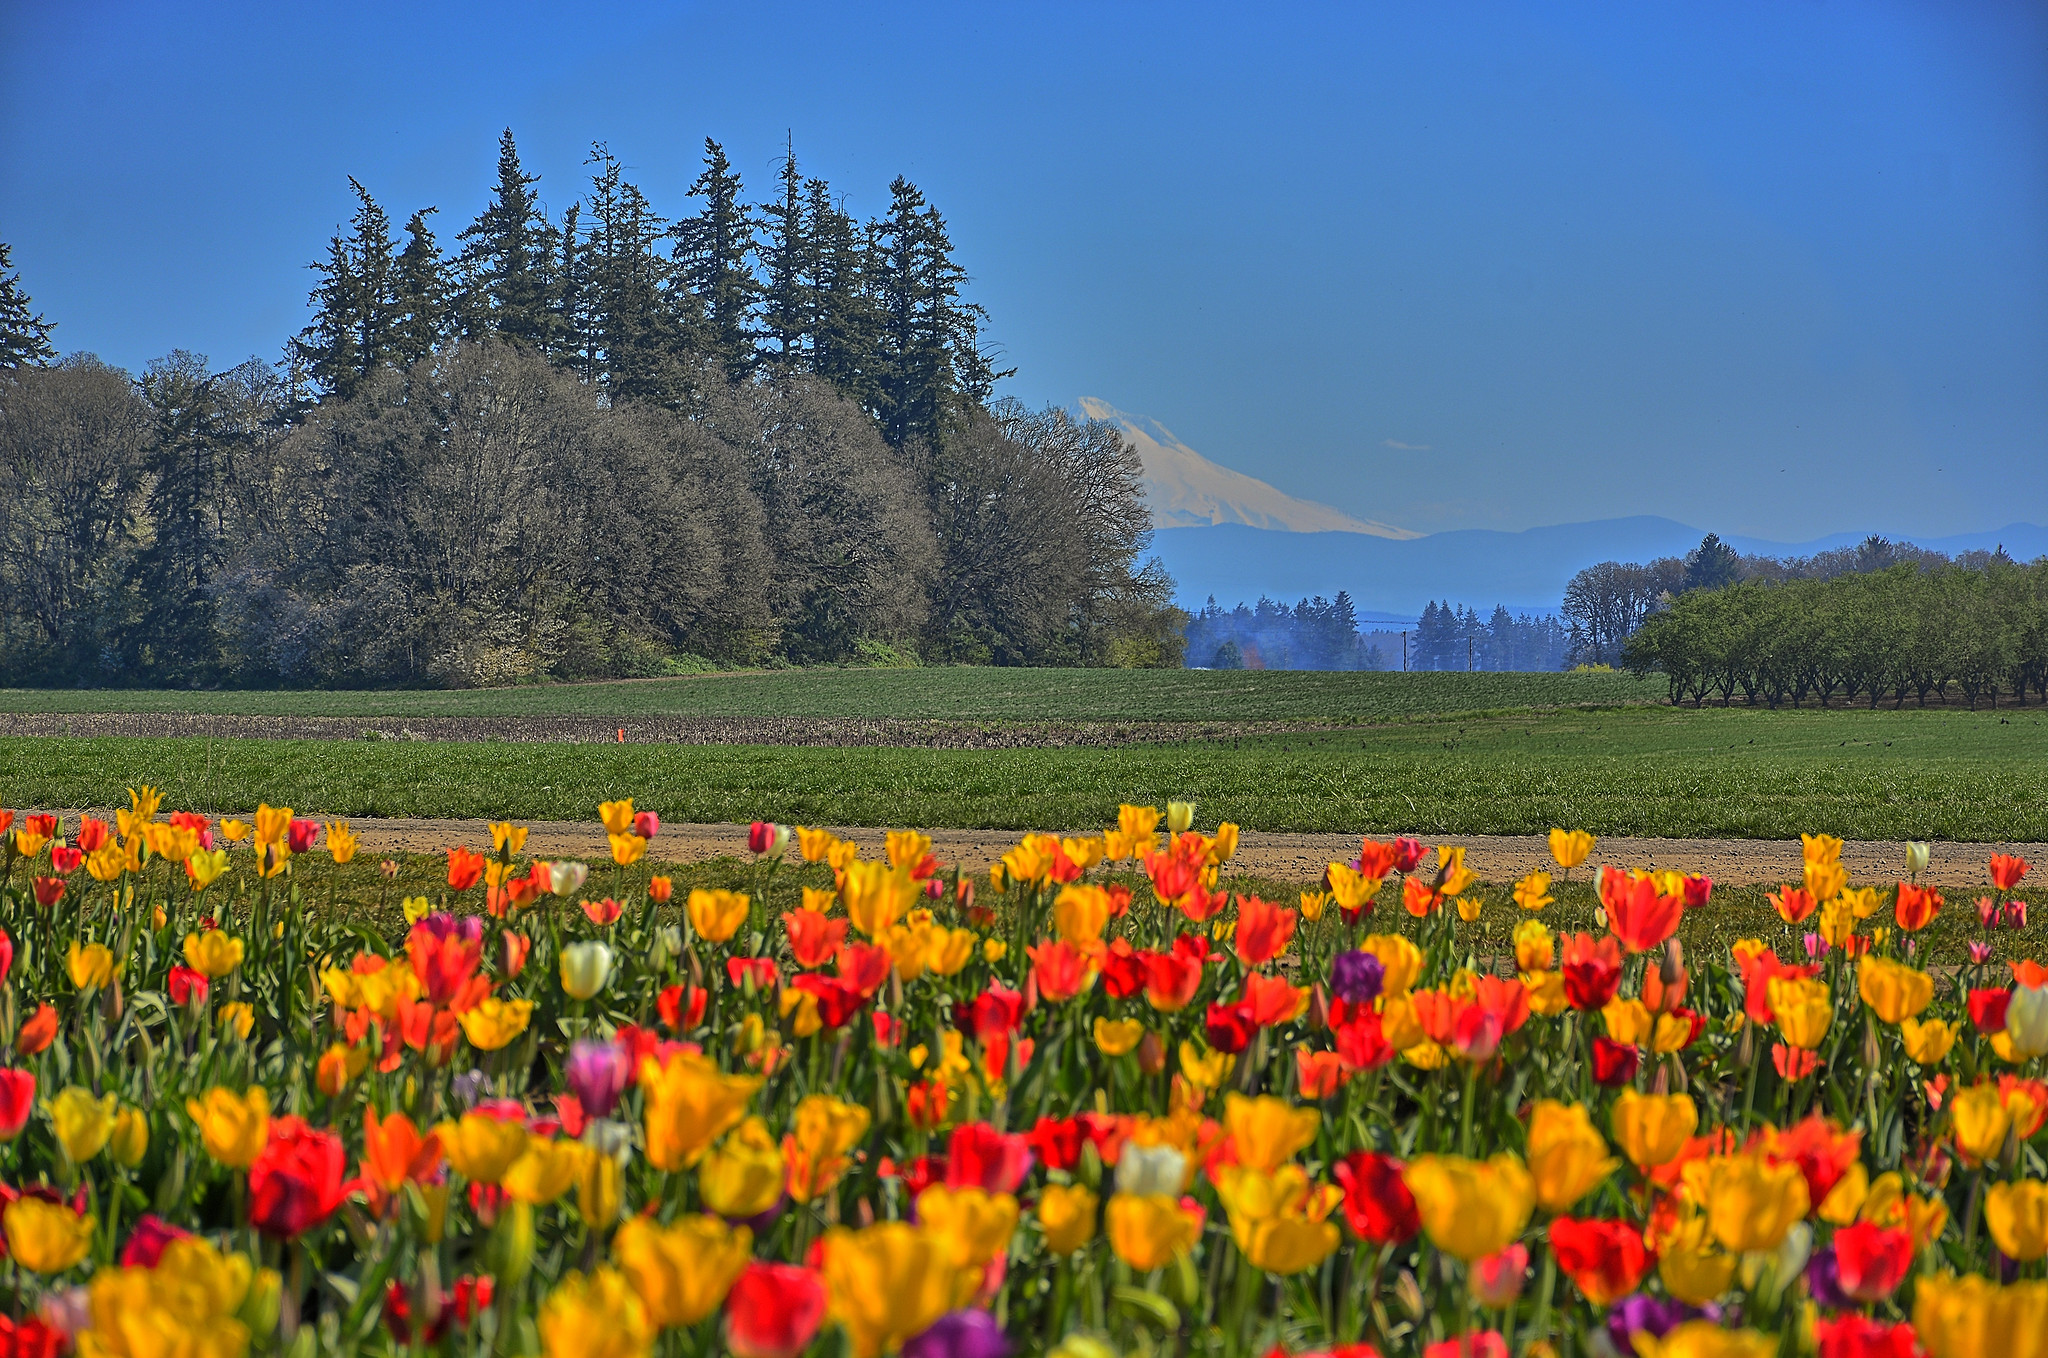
(1774, 268)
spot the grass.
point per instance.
(1645, 771)
(962, 693)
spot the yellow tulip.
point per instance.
(493, 1023)
(545, 1170)
(1628, 1022)
(681, 1272)
(948, 951)
(1203, 1068)
(1146, 1230)
(1278, 1219)
(507, 839)
(1570, 847)
(599, 1316)
(826, 1129)
(341, 841)
(1652, 1128)
(46, 1237)
(213, 953)
(1115, 1037)
(1535, 946)
(1895, 992)
(743, 1176)
(1803, 1010)
(1844, 1202)
(599, 1191)
(1400, 962)
(876, 895)
(627, 849)
(1818, 849)
(1707, 1339)
(83, 1123)
(1080, 913)
(205, 868)
(1567, 1155)
(238, 1017)
(1927, 1043)
(1981, 1121)
(1751, 1202)
(1267, 1131)
(481, 1147)
(1223, 847)
(689, 1105)
(89, 966)
(1837, 922)
(1066, 1214)
(1691, 1268)
(1532, 892)
(130, 1141)
(890, 1281)
(976, 1224)
(1972, 1317)
(617, 816)
(1826, 880)
(2017, 1214)
(1471, 1208)
(107, 862)
(717, 915)
(1546, 992)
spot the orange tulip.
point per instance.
(1917, 906)
(1792, 903)
(1263, 930)
(1636, 915)
(1063, 970)
(814, 940)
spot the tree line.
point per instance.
(604, 444)
(1448, 638)
(1907, 631)
(1315, 634)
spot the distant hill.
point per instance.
(1526, 571)
(1186, 489)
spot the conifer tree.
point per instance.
(355, 304)
(713, 250)
(421, 294)
(24, 334)
(844, 320)
(634, 330)
(786, 302)
(505, 261)
(929, 357)
(176, 637)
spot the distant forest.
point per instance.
(1324, 634)
(607, 443)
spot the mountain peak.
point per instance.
(1187, 490)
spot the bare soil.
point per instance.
(1285, 857)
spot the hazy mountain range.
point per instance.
(1232, 536)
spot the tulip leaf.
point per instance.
(1148, 1306)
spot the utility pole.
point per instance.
(1468, 655)
(1404, 653)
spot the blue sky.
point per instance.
(1779, 269)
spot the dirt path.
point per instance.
(1288, 857)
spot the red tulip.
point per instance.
(49, 890)
(1123, 970)
(1377, 1204)
(646, 824)
(66, 859)
(1871, 1260)
(813, 939)
(92, 833)
(979, 1156)
(147, 1241)
(1375, 860)
(1855, 1336)
(1987, 1009)
(31, 1337)
(296, 1182)
(1171, 979)
(300, 835)
(187, 986)
(1318, 1074)
(2007, 869)
(6, 955)
(863, 967)
(1614, 1063)
(45, 825)
(1793, 1063)
(1362, 1043)
(17, 1101)
(1605, 1259)
(39, 1032)
(1229, 1027)
(1407, 853)
(465, 869)
(1057, 1141)
(837, 999)
(604, 912)
(1271, 1000)
(682, 1007)
(761, 969)
(773, 1311)
(1699, 888)
(1592, 971)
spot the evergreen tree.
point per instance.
(176, 638)
(632, 328)
(714, 253)
(422, 319)
(844, 321)
(786, 302)
(505, 260)
(24, 334)
(1712, 565)
(356, 313)
(922, 319)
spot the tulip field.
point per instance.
(262, 1095)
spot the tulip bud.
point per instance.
(130, 1141)
(260, 1305)
(1180, 816)
(1318, 1008)
(585, 968)
(1151, 1054)
(510, 1248)
(1916, 858)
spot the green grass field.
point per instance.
(1642, 770)
(963, 693)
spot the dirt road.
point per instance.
(1288, 857)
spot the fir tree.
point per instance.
(355, 305)
(176, 633)
(786, 303)
(24, 334)
(421, 295)
(633, 329)
(713, 250)
(505, 261)
(929, 358)
(844, 320)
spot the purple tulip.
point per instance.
(597, 1074)
(1654, 1316)
(1824, 1280)
(960, 1334)
(1355, 977)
